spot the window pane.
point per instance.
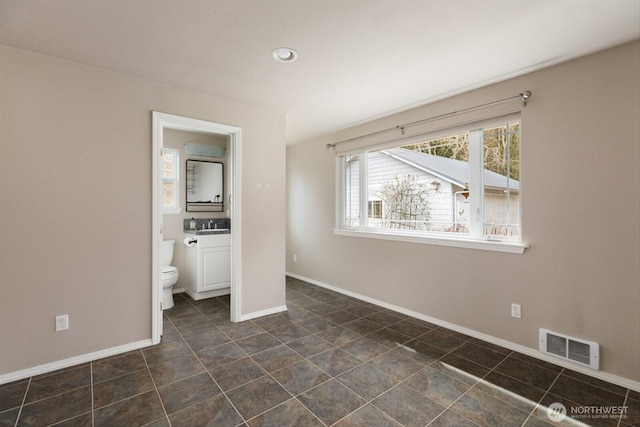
(502, 180)
(375, 209)
(168, 194)
(170, 178)
(168, 162)
(422, 186)
(351, 191)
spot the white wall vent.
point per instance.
(583, 352)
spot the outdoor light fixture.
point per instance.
(284, 54)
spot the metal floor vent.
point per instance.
(585, 353)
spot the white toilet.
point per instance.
(169, 274)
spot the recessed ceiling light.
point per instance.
(284, 54)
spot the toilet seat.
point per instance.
(169, 269)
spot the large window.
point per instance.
(463, 185)
(170, 184)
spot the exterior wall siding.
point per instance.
(448, 208)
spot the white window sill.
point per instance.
(485, 245)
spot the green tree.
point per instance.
(501, 149)
(453, 147)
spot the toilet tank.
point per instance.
(167, 252)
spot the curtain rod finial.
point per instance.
(330, 146)
(525, 96)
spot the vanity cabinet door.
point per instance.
(216, 268)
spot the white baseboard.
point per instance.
(614, 379)
(261, 313)
(76, 360)
(197, 296)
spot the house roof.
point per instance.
(454, 171)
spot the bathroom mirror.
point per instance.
(204, 186)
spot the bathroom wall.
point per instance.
(75, 168)
(580, 177)
(173, 222)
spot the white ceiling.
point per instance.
(358, 59)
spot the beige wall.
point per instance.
(75, 216)
(580, 209)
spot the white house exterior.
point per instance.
(443, 183)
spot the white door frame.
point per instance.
(163, 121)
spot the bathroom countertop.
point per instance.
(208, 231)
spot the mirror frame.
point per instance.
(203, 206)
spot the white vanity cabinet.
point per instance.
(209, 265)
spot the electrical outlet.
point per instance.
(516, 311)
(62, 322)
(295, 258)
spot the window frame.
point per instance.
(175, 208)
(374, 209)
(475, 239)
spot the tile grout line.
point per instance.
(547, 391)
(294, 397)
(331, 377)
(202, 364)
(535, 406)
(24, 399)
(155, 386)
(74, 367)
(626, 390)
(269, 374)
(361, 336)
(414, 374)
(444, 330)
(309, 410)
(624, 404)
(23, 403)
(564, 372)
(569, 377)
(533, 410)
(448, 408)
(427, 365)
(370, 401)
(93, 409)
(223, 392)
(480, 379)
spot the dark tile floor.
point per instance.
(329, 360)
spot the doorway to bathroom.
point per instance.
(167, 124)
